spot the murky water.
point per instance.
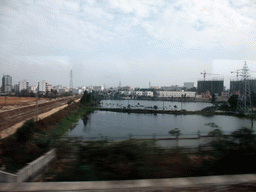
(116, 126)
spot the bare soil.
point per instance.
(11, 120)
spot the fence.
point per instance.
(30, 171)
(196, 141)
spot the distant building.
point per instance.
(7, 84)
(139, 93)
(214, 86)
(23, 85)
(176, 94)
(16, 88)
(49, 87)
(206, 94)
(126, 88)
(238, 86)
(154, 87)
(148, 94)
(78, 91)
(171, 88)
(189, 85)
(61, 91)
(98, 88)
(42, 86)
(225, 94)
(32, 88)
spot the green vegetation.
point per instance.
(130, 159)
(175, 132)
(35, 138)
(140, 159)
(90, 98)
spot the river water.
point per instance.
(167, 105)
(117, 126)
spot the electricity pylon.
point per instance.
(244, 103)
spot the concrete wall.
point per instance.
(211, 183)
(30, 171)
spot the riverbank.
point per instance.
(195, 100)
(173, 112)
(11, 130)
(42, 137)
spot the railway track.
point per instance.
(12, 117)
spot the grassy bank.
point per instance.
(33, 139)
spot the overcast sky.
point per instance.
(132, 41)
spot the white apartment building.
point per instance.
(98, 88)
(33, 88)
(49, 87)
(78, 91)
(23, 85)
(139, 93)
(42, 86)
(148, 94)
(176, 93)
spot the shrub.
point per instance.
(25, 133)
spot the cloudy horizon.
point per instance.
(132, 41)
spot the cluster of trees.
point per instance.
(234, 154)
(231, 104)
(90, 98)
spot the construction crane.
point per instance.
(204, 73)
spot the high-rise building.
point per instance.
(42, 86)
(239, 86)
(16, 88)
(7, 84)
(23, 85)
(33, 88)
(214, 86)
(49, 87)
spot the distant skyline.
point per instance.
(132, 41)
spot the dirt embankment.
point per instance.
(10, 103)
(13, 119)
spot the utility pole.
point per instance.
(37, 102)
(252, 111)
(1, 147)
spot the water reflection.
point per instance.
(116, 125)
(157, 105)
